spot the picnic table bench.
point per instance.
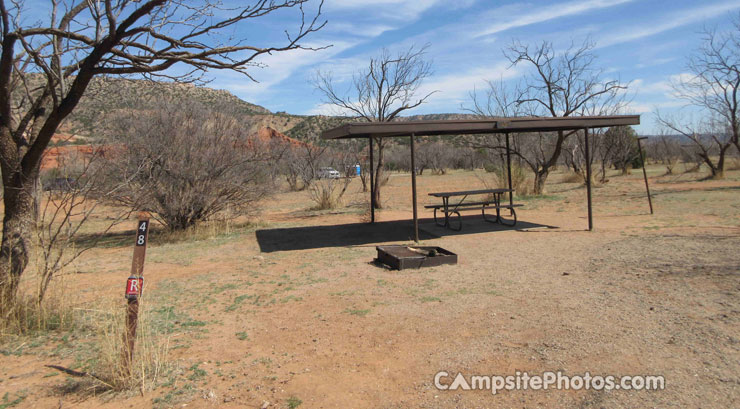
(491, 202)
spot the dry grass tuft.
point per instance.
(733, 164)
(151, 353)
(573, 177)
(28, 316)
(328, 193)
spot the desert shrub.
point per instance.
(327, 193)
(490, 167)
(496, 177)
(184, 164)
(733, 164)
(573, 177)
(691, 167)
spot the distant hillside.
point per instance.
(310, 128)
(106, 98)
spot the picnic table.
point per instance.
(492, 201)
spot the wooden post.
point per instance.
(508, 173)
(413, 189)
(588, 181)
(644, 173)
(372, 183)
(134, 288)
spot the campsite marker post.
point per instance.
(134, 288)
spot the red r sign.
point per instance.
(134, 286)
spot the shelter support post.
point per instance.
(644, 173)
(588, 179)
(372, 183)
(508, 173)
(413, 188)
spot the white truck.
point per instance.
(328, 173)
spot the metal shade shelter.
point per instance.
(503, 125)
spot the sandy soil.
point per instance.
(309, 318)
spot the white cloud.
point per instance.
(655, 61)
(393, 9)
(636, 107)
(532, 15)
(660, 87)
(450, 90)
(668, 22)
(362, 30)
(326, 109)
(454, 89)
(280, 66)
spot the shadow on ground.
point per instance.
(357, 234)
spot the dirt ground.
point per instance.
(286, 314)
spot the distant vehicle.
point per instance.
(328, 173)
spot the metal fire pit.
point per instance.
(403, 257)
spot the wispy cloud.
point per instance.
(362, 30)
(538, 15)
(280, 66)
(452, 90)
(659, 87)
(393, 9)
(669, 22)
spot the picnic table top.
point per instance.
(470, 192)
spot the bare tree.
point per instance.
(710, 138)
(45, 69)
(357, 153)
(184, 164)
(557, 85)
(713, 87)
(74, 189)
(380, 93)
(434, 155)
(623, 147)
(300, 164)
(666, 150)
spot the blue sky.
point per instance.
(644, 42)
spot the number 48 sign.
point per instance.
(141, 232)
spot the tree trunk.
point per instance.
(18, 225)
(540, 178)
(603, 172)
(363, 179)
(719, 172)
